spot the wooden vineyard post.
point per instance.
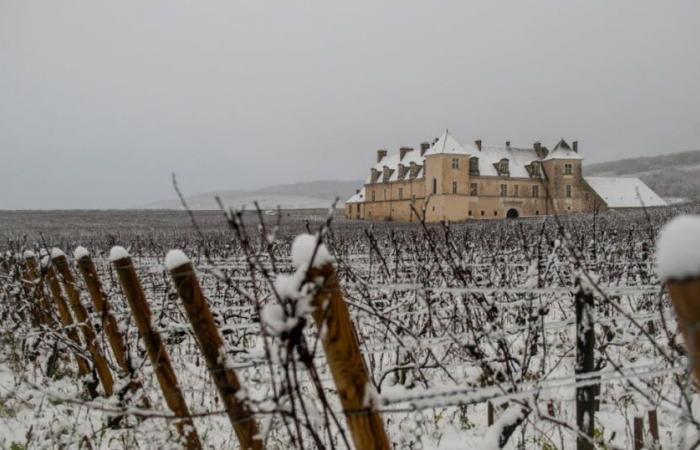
(490, 414)
(35, 289)
(654, 427)
(585, 346)
(109, 323)
(342, 351)
(101, 366)
(131, 286)
(66, 318)
(685, 296)
(638, 429)
(212, 346)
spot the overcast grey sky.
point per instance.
(101, 101)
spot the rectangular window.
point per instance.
(473, 189)
(568, 190)
(516, 190)
(535, 191)
(455, 163)
(568, 169)
(434, 185)
(400, 193)
(385, 197)
(470, 213)
(454, 187)
(374, 196)
(504, 190)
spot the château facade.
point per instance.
(446, 180)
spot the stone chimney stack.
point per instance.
(540, 150)
(575, 146)
(478, 144)
(507, 144)
(403, 151)
(424, 146)
(381, 154)
(357, 191)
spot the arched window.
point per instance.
(454, 187)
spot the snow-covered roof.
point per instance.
(624, 192)
(489, 155)
(448, 144)
(517, 158)
(562, 151)
(358, 197)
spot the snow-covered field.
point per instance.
(449, 318)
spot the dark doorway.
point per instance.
(512, 213)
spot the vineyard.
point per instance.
(547, 333)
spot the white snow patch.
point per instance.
(510, 417)
(678, 249)
(80, 252)
(57, 253)
(175, 258)
(28, 254)
(303, 248)
(117, 253)
(275, 320)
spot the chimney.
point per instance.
(380, 155)
(357, 191)
(575, 146)
(507, 144)
(403, 151)
(538, 149)
(478, 144)
(424, 146)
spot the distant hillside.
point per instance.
(672, 176)
(308, 195)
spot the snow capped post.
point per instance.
(35, 288)
(66, 317)
(678, 267)
(212, 346)
(160, 359)
(101, 366)
(109, 323)
(340, 344)
(88, 271)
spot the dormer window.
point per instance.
(375, 175)
(474, 166)
(534, 169)
(502, 167)
(386, 174)
(403, 170)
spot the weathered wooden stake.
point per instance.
(35, 288)
(638, 433)
(212, 346)
(66, 318)
(131, 286)
(101, 366)
(109, 324)
(342, 350)
(654, 427)
(585, 346)
(490, 413)
(685, 296)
